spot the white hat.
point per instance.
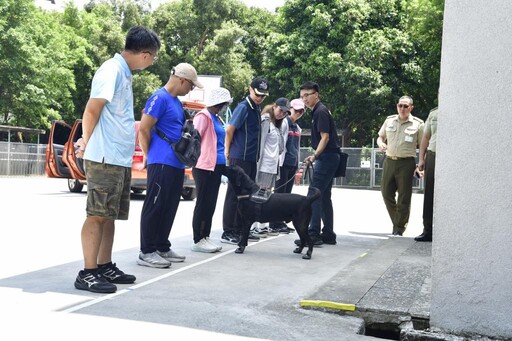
(187, 71)
(218, 96)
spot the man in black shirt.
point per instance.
(324, 140)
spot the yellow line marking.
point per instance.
(364, 255)
(328, 304)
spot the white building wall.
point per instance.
(472, 248)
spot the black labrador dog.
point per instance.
(278, 207)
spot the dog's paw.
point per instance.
(298, 250)
(240, 249)
(306, 256)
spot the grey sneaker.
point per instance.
(171, 256)
(153, 260)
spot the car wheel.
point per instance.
(188, 193)
(75, 186)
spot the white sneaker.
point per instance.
(203, 246)
(171, 256)
(153, 260)
(209, 241)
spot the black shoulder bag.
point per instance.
(188, 147)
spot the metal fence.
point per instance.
(364, 168)
(22, 158)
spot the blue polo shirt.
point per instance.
(113, 138)
(168, 111)
(246, 139)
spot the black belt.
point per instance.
(394, 158)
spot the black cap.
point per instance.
(283, 103)
(260, 86)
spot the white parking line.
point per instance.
(156, 279)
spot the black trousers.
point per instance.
(229, 217)
(428, 198)
(207, 189)
(284, 185)
(160, 206)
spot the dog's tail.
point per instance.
(313, 194)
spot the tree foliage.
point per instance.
(363, 53)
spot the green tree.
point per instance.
(361, 53)
(424, 22)
(224, 55)
(36, 62)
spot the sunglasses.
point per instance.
(192, 85)
(405, 106)
(260, 96)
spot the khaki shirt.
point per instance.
(431, 129)
(402, 139)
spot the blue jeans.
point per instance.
(323, 175)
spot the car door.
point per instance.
(75, 165)
(55, 167)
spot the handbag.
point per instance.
(342, 166)
(188, 147)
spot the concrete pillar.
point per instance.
(472, 248)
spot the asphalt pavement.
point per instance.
(369, 283)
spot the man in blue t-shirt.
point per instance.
(324, 140)
(163, 111)
(242, 149)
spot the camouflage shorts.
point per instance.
(108, 190)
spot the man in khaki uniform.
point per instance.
(427, 164)
(399, 137)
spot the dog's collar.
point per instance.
(245, 196)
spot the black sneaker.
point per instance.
(329, 241)
(286, 230)
(316, 241)
(112, 274)
(230, 238)
(94, 283)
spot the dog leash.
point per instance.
(293, 178)
(308, 171)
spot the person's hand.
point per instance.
(144, 163)
(383, 147)
(419, 173)
(79, 148)
(421, 165)
(310, 159)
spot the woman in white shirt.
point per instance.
(271, 147)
